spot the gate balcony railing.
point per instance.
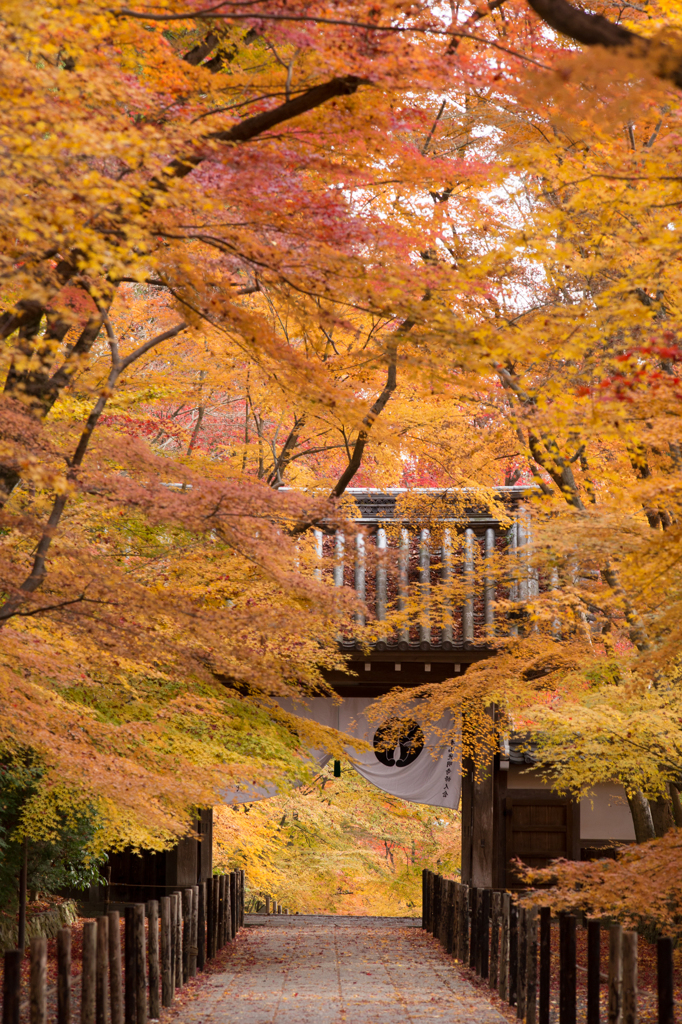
(428, 564)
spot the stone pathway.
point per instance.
(337, 970)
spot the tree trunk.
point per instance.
(676, 804)
(662, 814)
(641, 817)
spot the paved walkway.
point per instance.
(337, 970)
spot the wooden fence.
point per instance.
(184, 931)
(509, 946)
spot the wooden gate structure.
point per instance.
(396, 555)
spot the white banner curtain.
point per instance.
(421, 767)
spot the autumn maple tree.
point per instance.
(252, 253)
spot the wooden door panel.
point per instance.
(539, 830)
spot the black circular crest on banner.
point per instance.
(404, 738)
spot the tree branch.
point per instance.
(38, 571)
(596, 30)
(379, 405)
(254, 126)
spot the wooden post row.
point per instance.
(503, 983)
(424, 907)
(451, 918)
(615, 1005)
(130, 1011)
(116, 1003)
(567, 976)
(456, 898)
(194, 933)
(177, 938)
(102, 971)
(593, 972)
(629, 977)
(89, 973)
(546, 965)
(38, 983)
(521, 950)
(11, 986)
(215, 929)
(484, 934)
(436, 905)
(231, 905)
(140, 965)
(531, 964)
(473, 926)
(513, 952)
(153, 958)
(201, 927)
(221, 911)
(493, 973)
(64, 977)
(464, 924)
(443, 929)
(166, 952)
(664, 955)
(186, 933)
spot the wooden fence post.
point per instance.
(216, 914)
(201, 927)
(664, 957)
(629, 977)
(210, 950)
(172, 944)
(473, 926)
(593, 971)
(431, 881)
(115, 973)
(177, 941)
(89, 973)
(435, 924)
(443, 923)
(220, 913)
(503, 985)
(130, 1011)
(545, 964)
(268, 911)
(187, 895)
(513, 951)
(464, 923)
(228, 926)
(101, 986)
(615, 974)
(484, 933)
(494, 972)
(64, 977)
(231, 925)
(194, 933)
(38, 985)
(567, 976)
(166, 952)
(433, 919)
(457, 941)
(531, 964)
(153, 957)
(140, 966)
(11, 986)
(452, 918)
(424, 911)
(521, 951)
(242, 896)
